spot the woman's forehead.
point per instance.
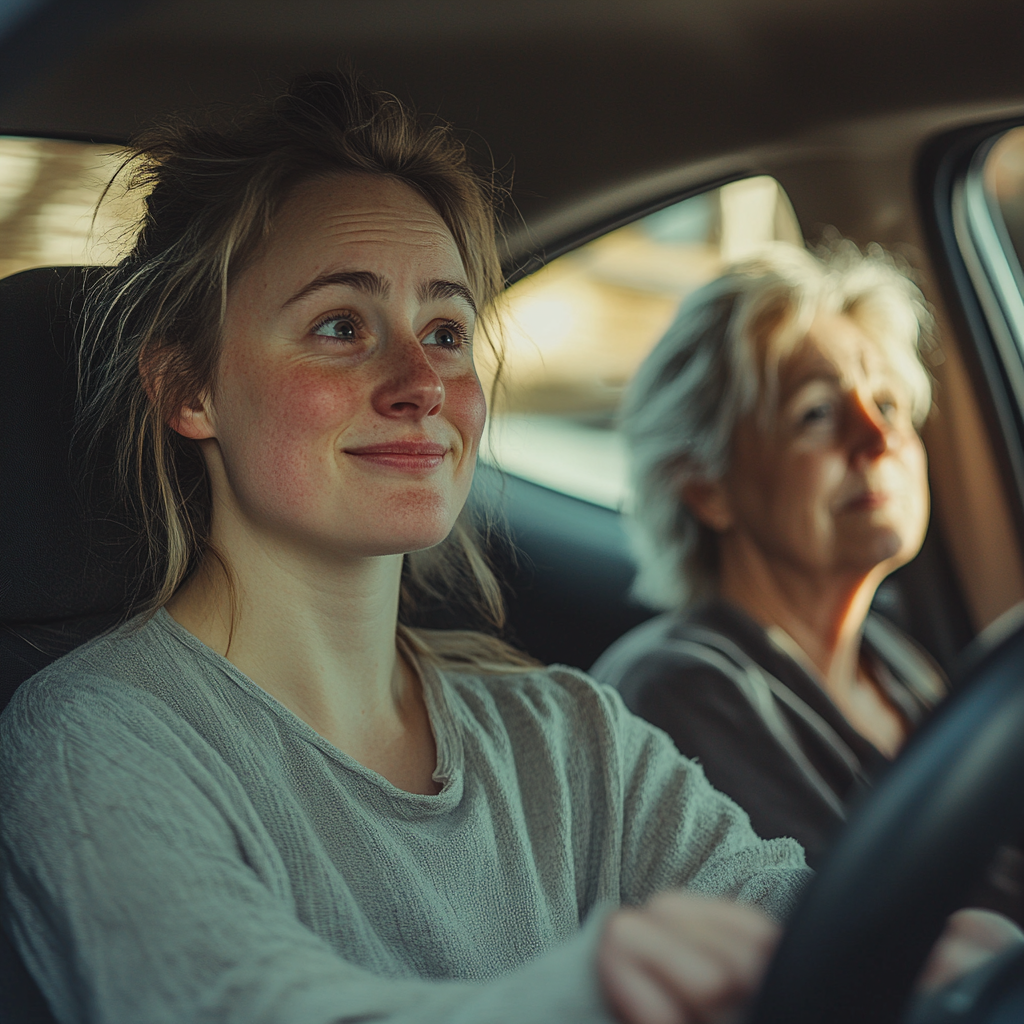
(358, 209)
(835, 348)
(356, 223)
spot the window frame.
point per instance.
(530, 262)
(959, 229)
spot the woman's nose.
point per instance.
(410, 386)
(869, 429)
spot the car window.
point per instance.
(1004, 181)
(48, 194)
(988, 217)
(577, 329)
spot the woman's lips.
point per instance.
(868, 501)
(414, 456)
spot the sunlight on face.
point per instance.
(836, 481)
(346, 413)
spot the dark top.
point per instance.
(736, 697)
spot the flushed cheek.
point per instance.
(466, 408)
(293, 418)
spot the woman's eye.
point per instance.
(339, 328)
(816, 414)
(887, 407)
(449, 336)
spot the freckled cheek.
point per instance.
(466, 407)
(293, 421)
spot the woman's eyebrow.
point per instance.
(432, 290)
(821, 374)
(364, 280)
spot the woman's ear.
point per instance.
(192, 418)
(709, 501)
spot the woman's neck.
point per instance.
(824, 616)
(319, 636)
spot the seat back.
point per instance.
(67, 561)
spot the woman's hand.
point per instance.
(684, 959)
(970, 938)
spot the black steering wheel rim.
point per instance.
(909, 855)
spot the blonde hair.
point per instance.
(680, 410)
(211, 196)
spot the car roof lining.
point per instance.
(579, 98)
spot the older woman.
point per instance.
(779, 479)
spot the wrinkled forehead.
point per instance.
(835, 348)
(825, 346)
(358, 209)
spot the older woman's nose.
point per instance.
(869, 431)
(410, 386)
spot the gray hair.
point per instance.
(680, 410)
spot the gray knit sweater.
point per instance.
(179, 847)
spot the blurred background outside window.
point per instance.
(48, 194)
(576, 330)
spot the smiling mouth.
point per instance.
(867, 502)
(409, 456)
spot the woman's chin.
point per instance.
(881, 547)
(404, 542)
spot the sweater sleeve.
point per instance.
(680, 831)
(712, 722)
(138, 891)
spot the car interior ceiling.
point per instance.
(651, 106)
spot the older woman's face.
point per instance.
(346, 412)
(836, 481)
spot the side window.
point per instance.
(48, 194)
(988, 218)
(1004, 182)
(578, 328)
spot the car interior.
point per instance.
(643, 146)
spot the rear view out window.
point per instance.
(48, 194)
(578, 328)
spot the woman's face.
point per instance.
(346, 412)
(836, 481)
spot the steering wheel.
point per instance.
(907, 859)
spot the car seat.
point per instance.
(68, 564)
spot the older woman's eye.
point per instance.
(450, 336)
(340, 328)
(816, 414)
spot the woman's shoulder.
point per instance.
(110, 684)
(672, 649)
(540, 689)
(544, 708)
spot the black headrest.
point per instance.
(67, 560)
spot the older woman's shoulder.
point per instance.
(671, 646)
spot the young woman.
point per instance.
(264, 799)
